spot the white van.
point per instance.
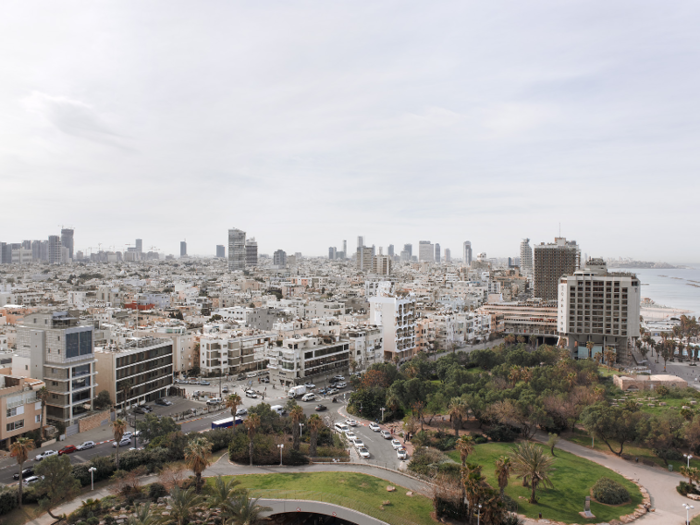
(279, 409)
(341, 427)
(309, 397)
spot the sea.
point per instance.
(676, 288)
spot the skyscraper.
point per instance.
(345, 249)
(67, 240)
(390, 250)
(220, 251)
(426, 251)
(407, 253)
(448, 255)
(332, 253)
(183, 248)
(236, 250)
(251, 252)
(360, 241)
(552, 261)
(54, 249)
(467, 253)
(364, 259)
(437, 252)
(279, 258)
(525, 257)
(139, 245)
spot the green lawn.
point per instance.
(573, 478)
(356, 491)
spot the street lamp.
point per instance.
(281, 447)
(687, 513)
(478, 515)
(382, 409)
(301, 429)
(92, 471)
(688, 456)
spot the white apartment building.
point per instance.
(226, 354)
(366, 346)
(599, 306)
(234, 313)
(301, 359)
(324, 309)
(397, 317)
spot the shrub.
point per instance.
(684, 488)
(480, 440)
(610, 492)
(156, 490)
(8, 500)
(662, 390)
(296, 458)
(502, 433)
(29, 495)
(220, 438)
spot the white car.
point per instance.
(309, 397)
(127, 435)
(350, 435)
(374, 427)
(401, 453)
(45, 454)
(124, 442)
(385, 434)
(251, 393)
(32, 479)
(358, 443)
(242, 412)
(340, 385)
(86, 445)
(351, 422)
(363, 452)
(214, 401)
(396, 444)
(309, 386)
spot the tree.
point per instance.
(457, 411)
(43, 395)
(611, 424)
(251, 424)
(196, 457)
(418, 411)
(127, 385)
(246, 511)
(533, 341)
(667, 349)
(118, 428)
(465, 446)
(297, 415)
(315, 425)
(151, 427)
(221, 491)
(692, 473)
(20, 450)
(183, 505)
(533, 466)
(589, 346)
(503, 466)
(143, 515)
(610, 356)
(552, 442)
(233, 401)
(102, 400)
(57, 483)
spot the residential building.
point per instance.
(54, 249)
(20, 410)
(360, 241)
(279, 258)
(366, 346)
(264, 318)
(437, 252)
(525, 257)
(251, 253)
(448, 255)
(138, 372)
(426, 251)
(183, 248)
(551, 262)
(67, 240)
(237, 254)
(324, 309)
(364, 259)
(599, 306)
(220, 251)
(390, 251)
(381, 265)
(526, 318)
(184, 345)
(222, 354)
(397, 318)
(139, 246)
(467, 253)
(301, 359)
(58, 349)
(407, 253)
(332, 253)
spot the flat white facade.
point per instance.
(397, 318)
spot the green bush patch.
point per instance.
(610, 492)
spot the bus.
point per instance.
(225, 423)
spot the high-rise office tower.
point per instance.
(45, 251)
(551, 262)
(331, 253)
(390, 250)
(345, 249)
(467, 253)
(54, 249)
(36, 250)
(525, 257)
(374, 250)
(27, 245)
(139, 245)
(251, 252)
(4, 259)
(448, 255)
(426, 251)
(360, 241)
(406, 253)
(67, 240)
(236, 250)
(220, 251)
(364, 259)
(279, 258)
(437, 252)
(183, 248)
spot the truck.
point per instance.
(297, 391)
(226, 423)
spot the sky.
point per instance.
(306, 123)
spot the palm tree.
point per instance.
(297, 414)
(503, 466)
(590, 346)
(465, 446)
(183, 504)
(457, 411)
(246, 511)
(222, 491)
(233, 401)
(418, 411)
(43, 395)
(196, 457)
(20, 451)
(532, 465)
(315, 425)
(118, 428)
(142, 516)
(252, 424)
(126, 389)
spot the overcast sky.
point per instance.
(306, 123)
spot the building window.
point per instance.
(37, 419)
(15, 425)
(12, 412)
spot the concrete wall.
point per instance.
(282, 506)
(93, 421)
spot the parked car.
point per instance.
(385, 434)
(124, 442)
(26, 473)
(46, 454)
(242, 411)
(204, 383)
(321, 408)
(340, 385)
(32, 479)
(351, 422)
(224, 390)
(265, 379)
(251, 393)
(402, 454)
(214, 401)
(309, 385)
(163, 402)
(339, 378)
(68, 449)
(86, 445)
(364, 453)
(127, 435)
(240, 377)
(357, 442)
(396, 444)
(308, 397)
(331, 391)
(374, 427)
(350, 435)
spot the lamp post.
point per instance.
(92, 470)
(281, 447)
(478, 515)
(687, 513)
(688, 456)
(382, 409)
(301, 429)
